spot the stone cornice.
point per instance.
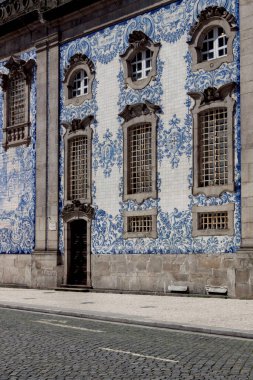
(78, 124)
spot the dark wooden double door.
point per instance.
(77, 274)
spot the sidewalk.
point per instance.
(231, 317)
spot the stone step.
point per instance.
(73, 288)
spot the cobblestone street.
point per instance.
(39, 346)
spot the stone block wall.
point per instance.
(156, 272)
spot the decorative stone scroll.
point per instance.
(212, 94)
(210, 13)
(77, 210)
(138, 109)
(78, 124)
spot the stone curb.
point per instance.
(248, 334)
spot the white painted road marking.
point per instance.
(67, 326)
(139, 355)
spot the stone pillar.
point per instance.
(244, 264)
(246, 15)
(41, 148)
(44, 259)
(53, 143)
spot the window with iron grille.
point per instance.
(140, 159)
(213, 147)
(214, 44)
(140, 224)
(213, 140)
(139, 151)
(16, 87)
(213, 220)
(78, 168)
(141, 64)
(17, 101)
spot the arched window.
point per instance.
(214, 44)
(79, 76)
(212, 36)
(80, 84)
(139, 60)
(141, 64)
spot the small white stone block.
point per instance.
(216, 289)
(178, 288)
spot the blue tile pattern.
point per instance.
(17, 181)
(169, 25)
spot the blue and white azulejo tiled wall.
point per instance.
(170, 26)
(17, 182)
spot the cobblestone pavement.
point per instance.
(39, 346)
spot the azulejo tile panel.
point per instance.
(168, 25)
(17, 173)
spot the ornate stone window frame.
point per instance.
(138, 41)
(229, 208)
(133, 115)
(151, 234)
(77, 63)
(18, 134)
(213, 98)
(210, 18)
(77, 128)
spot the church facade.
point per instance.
(126, 145)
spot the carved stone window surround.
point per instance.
(134, 115)
(77, 128)
(229, 208)
(210, 18)
(77, 63)
(212, 98)
(139, 42)
(142, 213)
(18, 132)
